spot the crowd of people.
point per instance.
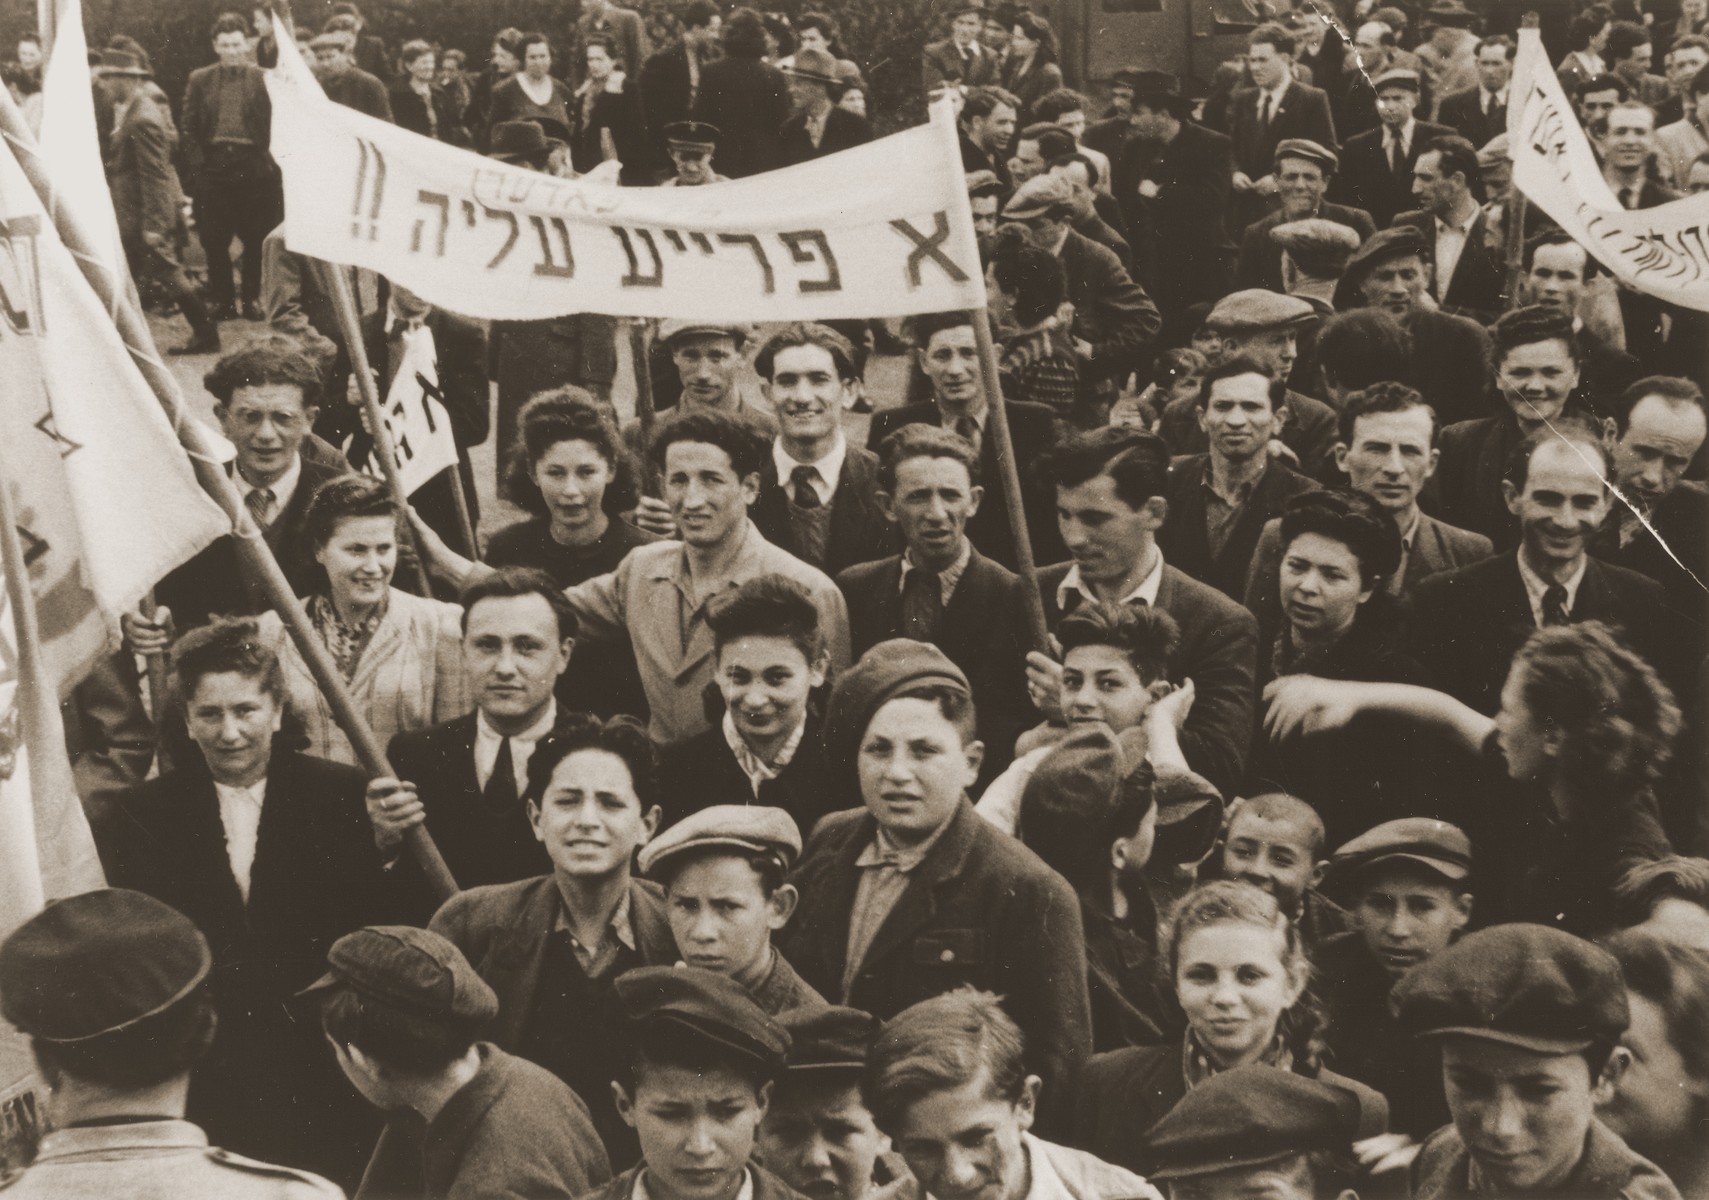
(1342, 833)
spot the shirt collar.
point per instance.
(621, 927)
(1536, 586)
(1407, 537)
(1044, 1182)
(1499, 97)
(1146, 590)
(484, 731)
(830, 467)
(640, 1192)
(950, 575)
(757, 769)
(1243, 494)
(1276, 93)
(1404, 133)
(882, 852)
(1464, 228)
(254, 794)
(283, 488)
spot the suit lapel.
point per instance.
(513, 967)
(1595, 599)
(918, 904)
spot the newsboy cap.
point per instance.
(1383, 245)
(883, 672)
(1189, 816)
(676, 327)
(1318, 247)
(827, 1038)
(1309, 150)
(1041, 196)
(97, 963)
(1253, 310)
(1254, 1115)
(1077, 780)
(1399, 77)
(707, 1005)
(1522, 985)
(1432, 844)
(752, 827)
(412, 969)
(1495, 151)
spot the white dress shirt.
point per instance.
(826, 470)
(1400, 139)
(240, 813)
(1450, 245)
(488, 741)
(1536, 586)
(283, 488)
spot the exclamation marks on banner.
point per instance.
(370, 191)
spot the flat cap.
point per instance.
(408, 968)
(97, 963)
(1317, 246)
(883, 671)
(1040, 196)
(1253, 309)
(1383, 245)
(1522, 985)
(707, 1005)
(751, 827)
(1399, 77)
(828, 1037)
(1189, 817)
(1078, 780)
(983, 183)
(675, 327)
(1254, 1115)
(1495, 151)
(1435, 845)
(1309, 150)
(692, 135)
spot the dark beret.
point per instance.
(883, 672)
(828, 1037)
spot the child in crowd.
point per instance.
(1275, 842)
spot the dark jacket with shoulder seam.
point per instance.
(1111, 311)
(1609, 1170)
(859, 531)
(1479, 283)
(1179, 240)
(1185, 541)
(941, 62)
(1302, 113)
(200, 113)
(1217, 651)
(1464, 112)
(748, 100)
(1309, 428)
(703, 771)
(1033, 430)
(984, 632)
(844, 130)
(1366, 180)
(981, 909)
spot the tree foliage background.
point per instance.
(883, 36)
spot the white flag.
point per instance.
(884, 229)
(415, 417)
(1663, 251)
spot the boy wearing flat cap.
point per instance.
(723, 871)
(111, 989)
(1406, 890)
(1527, 1018)
(402, 1008)
(702, 1059)
(915, 894)
(1256, 1131)
(818, 1135)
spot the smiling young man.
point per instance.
(948, 1081)
(701, 1059)
(723, 871)
(914, 894)
(941, 589)
(709, 464)
(1527, 1019)
(818, 494)
(1275, 842)
(1406, 885)
(464, 777)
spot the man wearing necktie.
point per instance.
(1627, 152)
(1376, 165)
(464, 778)
(818, 494)
(959, 58)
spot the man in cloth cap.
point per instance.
(1172, 179)
(1257, 1131)
(402, 1009)
(817, 126)
(1527, 1018)
(1304, 173)
(691, 146)
(1376, 165)
(724, 870)
(145, 191)
(342, 80)
(1314, 256)
(818, 1136)
(110, 988)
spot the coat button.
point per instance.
(947, 955)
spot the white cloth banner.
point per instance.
(880, 230)
(414, 416)
(1662, 251)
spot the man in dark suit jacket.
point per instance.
(1377, 165)
(930, 485)
(1304, 171)
(818, 494)
(668, 81)
(1262, 116)
(976, 907)
(551, 946)
(1468, 623)
(960, 58)
(818, 127)
(946, 351)
(268, 852)
(1109, 490)
(1476, 284)
(1220, 501)
(1479, 113)
(1172, 177)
